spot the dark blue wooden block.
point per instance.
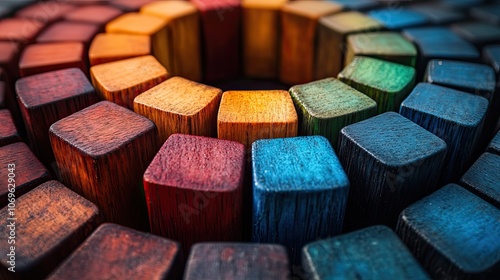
(454, 234)
(399, 19)
(494, 146)
(483, 178)
(478, 33)
(487, 13)
(372, 253)
(438, 14)
(491, 54)
(299, 191)
(357, 5)
(391, 163)
(454, 116)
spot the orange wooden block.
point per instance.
(299, 21)
(44, 12)
(121, 81)
(67, 31)
(97, 14)
(8, 131)
(109, 47)
(19, 29)
(181, 106)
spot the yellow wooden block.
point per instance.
(108, 47)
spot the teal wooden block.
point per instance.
(478, 33)
(494, 146)
(391, 162)
(373, 253)
(487, 13)
(396, 20)
(438, 14)
(385, 82)
(326, 106)
(483, 178)
(454, 234)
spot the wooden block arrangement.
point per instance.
(50, 222)
(183, 31)
(237, 261)
(45, 12)
(122, 81)
(438, 15)
(454, 234)
(385, 82)
(246, 116)
(487, 13)
(179, 105)
(454, 116)
(331, 42)
(48, 97)
(194, 190)
(102, 152)
(8, 130)
(479, 34)
(494, 146)
(109, 47)
(326, 106)
(19, 29)
(375, 252)
(399, 19)
(483, 178)
(116, 252)
(299, 22)
(96, 14)
(66, 31)
(391, 163)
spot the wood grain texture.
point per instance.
(194, 190)
(66, 31)
(237, 261)
(494, 146)
(298, 22)
(478, 33)
(109, 47)
(487, 13)
(454, 234)
(8, 130)
(19, 29)
(437, 14)
(403, 18)
(385, 82)
(96, 14)
(116, 252)
(51, 221)
(122, 81)
(48, 11)
(102, 152)
(373, 253)
(179, 105)
(391, 163)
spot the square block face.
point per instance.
(19, 29)
(494, 146)
(137, 24)
(492, 55)
(68, 31)
(8, 131)
(350, 22)
(403, 18)
(437, 14)
(483, 178)
(98, 14)
(109, 47)
(477, 32)
(311, 9)
(170, 10)
(45, 11)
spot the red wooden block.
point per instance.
(130, 5)
(44, 12)
(221, 37)
(19, 29)
(9, 55)
(8, 131)
(97, 14)
(66, 31)
(194, 189)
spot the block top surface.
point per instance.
(311, 9)
(68, 31)
(99, 14)
(215, 5)
(296, 164)
(393, 139)
(477, 31)
(263, 4)
(484, 176)
(19, 29)
(45, 11)
(169, 10)
(136, 23)
(494, 145)
(51, 53)
(101, 128)
(381, 43)
(330, 98)
(401, 18)
(492, 55)
(348, 22)
(119, 45)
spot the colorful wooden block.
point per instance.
(437, 14)
(183, 31)
(96, 14)
(246, 116)
(122, 81)
(391, 163)
(478, 33)
(19, 29)
(374, 252)
(326, 106)
(130, 5)
(46, 11)
(179, 105)
(237, 261)
(116, 252)
(494, 146)
(109, 47)
(357, 5)
(399, 19)
(102, 152)
(47, 224)
(331, 41)
(66, 31)
(483, 178)
(8, 131)
(385, 82)
(454, 234)
(487, 13)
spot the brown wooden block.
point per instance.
(179, 105)
(183, 45)
(121, 81)
(298, 23)
(116, 252)
(96, 14)
(19, 29)
(8, 131)
(109, 47)
(102, 152)
(50, 222)
(130, 5)
(44, 12)
(66, 31)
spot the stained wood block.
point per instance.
(437, 14)
(375, 253)
(454, 234)
(299, 22)
(102, 152)
(116, 252)
(50, 222)
(392, 159)
(403, 18)
(66, 31)
(8, 131)
(237, 261)
(483, 178)
(332, 34)
(494, 146)
(385, 82)
(357, 5)
(179, 105)
(41, 58)
(478, 33)
(109, 47)
(487, 13)
(96, 14)
(19, 29)
(45, 12)
(292, 178)
(326, 106)
(29, 172)
(246, 116)
(183, 31)
(130, 5)
(122, 81)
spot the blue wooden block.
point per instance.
(438, 14)
(391, 163)
(494, 146)
(491, 54)
(454, 116)
(396, 20)
(299, 191)
(483, 178)
(487, 13)
(371, 253)
(357, 5)
(478, 33)
(454, 234)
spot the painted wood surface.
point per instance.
(494, 146)
(478, 33)
(96, 14)
(483, 178)
(45, 12)
(66, 31)
(397, 20)
(109, 47)
(8, 130)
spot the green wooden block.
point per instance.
(385, 82)
(326, 106)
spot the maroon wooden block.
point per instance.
(19, 29)
(97, 14)
(130, 5)
(47, 11)
(8, 131)
(194, 189)
(67, 31)
(116, 252)
(9, 54)
(221, 37)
